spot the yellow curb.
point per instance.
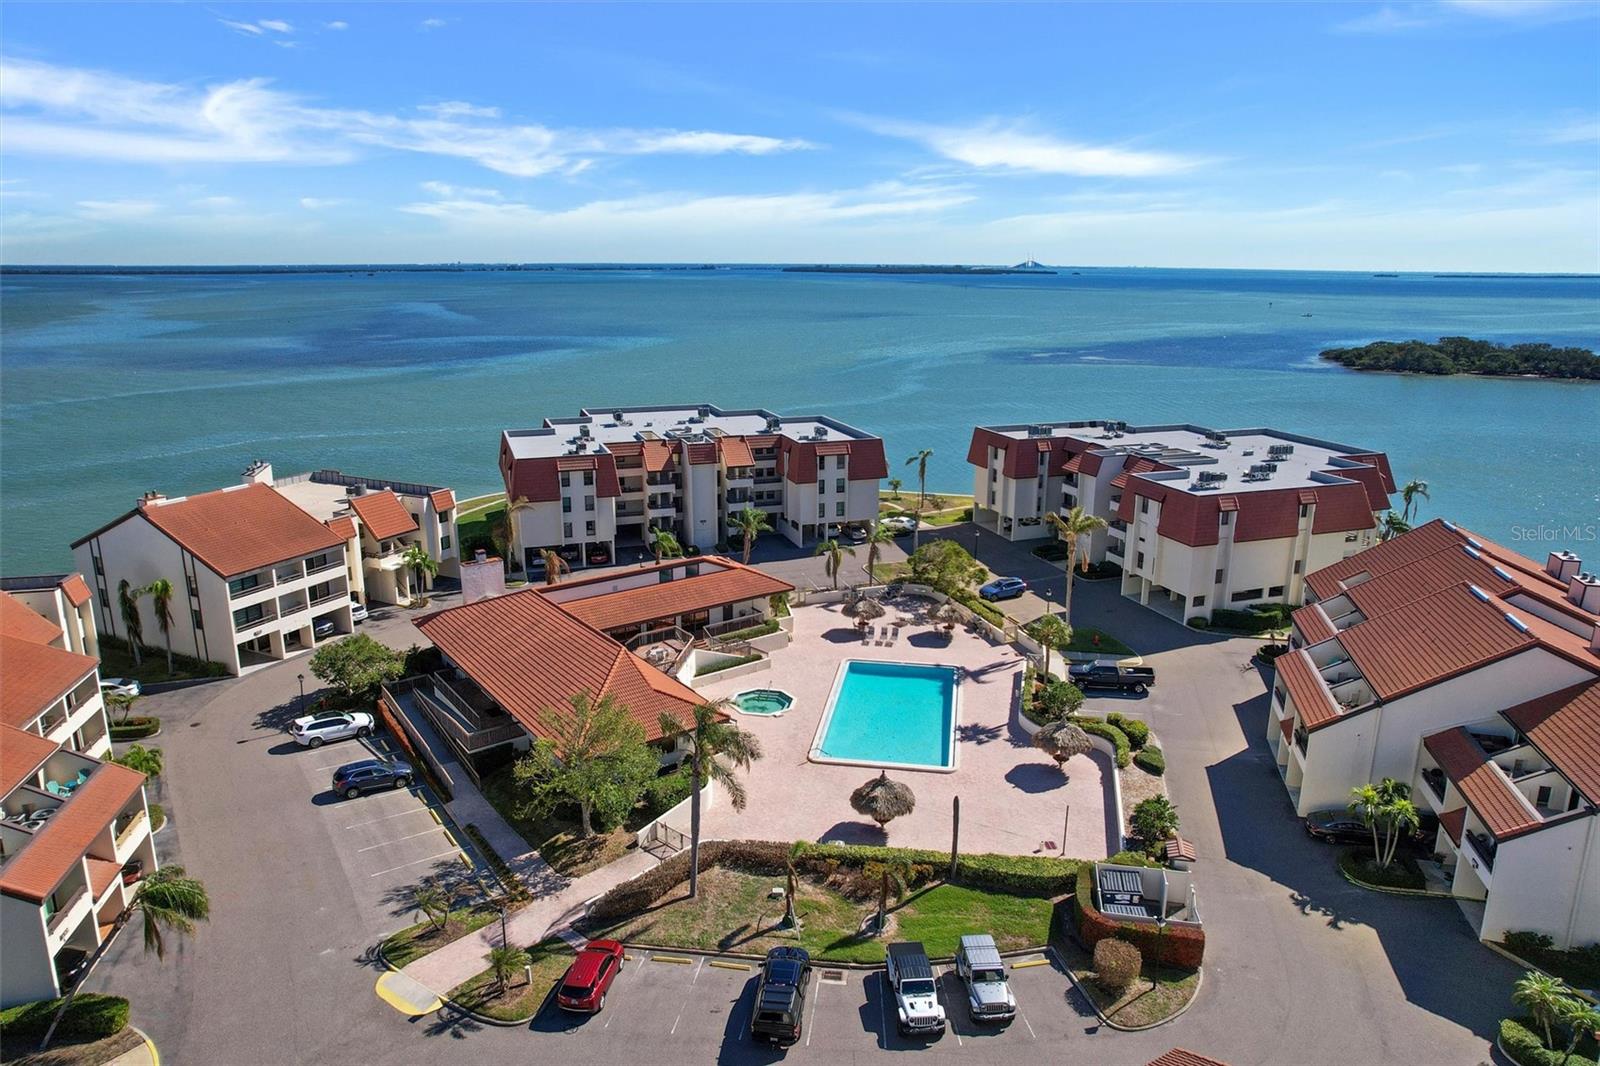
(451, 839)
(435, 815)
(672, 958)
(719, 964)
(1030, 962)
(401, 1003)
(149, 1045)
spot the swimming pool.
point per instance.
(890, 714)
(770, 702)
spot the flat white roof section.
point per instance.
(596, 427)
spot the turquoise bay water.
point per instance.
(894, 713)
(111, 385)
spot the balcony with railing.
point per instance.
(288, 572)
(254, 615)
(73, 903)
(316, 564)
(1484, 846)
(291, 605)
(246, 585)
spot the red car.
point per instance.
(584, 987)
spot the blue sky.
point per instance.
(1433, 136)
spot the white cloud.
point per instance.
(214, 203)
(1581, 131)
(259, 28)
(276, 25)
(319, 203)
(1003, 146)
(337, 24)
(116, 210)
(445, 191)
(431, 24)
(248, 121)
(1385, 20)
(1519, 9)
(458, 109)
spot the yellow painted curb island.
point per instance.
(721, 965)
(672, 958)
(407, 995)
(149, 1046)
(1029, 962)
(435, 816)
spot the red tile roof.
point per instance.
(75, 589)
(21, 753)
(1487, 790)
(531, 656)
(658, 456)
(682, 595)
(383, 514)
(866, 463)
(33, 676)
(1565, 727)
(1383, 558)
(1181, 1057)
(735, 452)
(539, 480)
(1312, 701)
(1286, 726)
(1424, 577)
(702, 454)
(344, 527)
(1137, 465)
(443, 499)
(34, 872)
(233, 531)
(19, 621)
(1454, 822)
(102, 872)
(1313, 624)
(1431, 639)
(1272, 514)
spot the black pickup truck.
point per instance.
(1106, 673)
(781, 996)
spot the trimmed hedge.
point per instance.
(1521, 1041)
(1181, 946)
(1151, 761)
(1138, 733)
(92, 1016)
(1022, 875)
(1119, 739)
(766, 628)
(1262, 618)
(1116, 964)
(982, 608)
(135, 728)
(729, 664)
(1578, 966)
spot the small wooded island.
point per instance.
(1463, 355)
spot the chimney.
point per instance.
(1562, 565)
(483, 577)
(1594, 639)
(258, 473)
(1584, 591)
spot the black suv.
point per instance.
(352, 779)
(781, 995)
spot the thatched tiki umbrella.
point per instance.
(866, 610)
(883, 800)
(949, 614)
(1061, 741)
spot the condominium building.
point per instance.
(1472, 674)
(379, 520)
(1197, 518)
(709, 594)
(74, 830)
(65, 601)
(591, 486)
(256, 578)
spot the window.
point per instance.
(248, 616)
(1246, 594)
(588, 477)
(444, 544)
(1305, 510)
(1227, 518)
(822, 486)
(822, 510)
(240, 585)
(444, 516)
(838, 509)
(588, 503)
(194, 589)
(1199, 601)
(838, 485)
(1218, 579)
(99, 566)
(105, 601)
(566, 505)
(1542, 798)
(194, 619)
(1275, 591)
(1138, 561)
(822, 462)
(566, 479)
(1299, 566)
(566, 531)
(1144, 505)
(588, 528)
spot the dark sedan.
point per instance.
(1342, 827)
(369, 775)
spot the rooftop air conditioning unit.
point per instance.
(774, 423)
(1038, 431)
(1280, 450)
(704, 411)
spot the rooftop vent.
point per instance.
(1584, 591)
(1516, 623)
(774, 423)
(1038, 431)
(1279, 450)
(1562, 565)
(704, 411)
(583, 430)
(1212, 476)
(1476, 591)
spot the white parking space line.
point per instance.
(883, 1009)
(396, 840)
(1025, 1021)
(815, 995)
(430, 858)
(949, 1011)
(696, 977)
(386, 817)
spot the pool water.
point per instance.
(763, 701)
(890, 714)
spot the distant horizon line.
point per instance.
(465, 265)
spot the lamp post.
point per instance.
(500, 905)
(302, 679)
(1161, 927)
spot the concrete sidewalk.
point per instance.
(557, 901)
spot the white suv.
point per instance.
(315, 730)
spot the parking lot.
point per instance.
(696, 1008)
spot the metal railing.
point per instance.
(329, 565)
(63, 912)
(661, 835)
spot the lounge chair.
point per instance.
(55, 789)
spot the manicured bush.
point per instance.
(981, 607)
(1269, 652)
(728, 664)
(1151, 761)
(1403, 872)
(1198, 622)
(1057, 699)
(1580, 966)
(1528, 944)
(752, 632)
(135, 728)
(1137, 732)
(666, 792)
(91, 1017)
(1132, 858)
(1154, 821)
(1116, 964)
(1521, 1040)
(1262, 618)
(1119, 739)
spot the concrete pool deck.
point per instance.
(1013, 798)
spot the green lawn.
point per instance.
(520, 999)
(413, 943)
(1155, 995)
(733, 913)
(474, 526)
(117, 661)
(1095, 641)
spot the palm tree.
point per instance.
(920, 461)
(894, 875)
(554, 565)
(500, 532)
(1544, 997)
(146, 761)
(1580, 1018)
(1070, 527)
(877, 537)
(160, 592)
(123, 702)
(1051, 632)
(1410, 493)
(128, 604)
(835, 553)
(894, 487)
(717, 748)
(422, 566)
(1367, 804)
(791, 919)
(431, 900)
(883, 800)
(1400, 820)
(504, 961)
(750, 523)
(1061, 740)
(664, 544)
(1392, 525)
(167, 901)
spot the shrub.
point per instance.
(135, 728)
(420, 660)
(1262, 618)
(1132, 858)
(1154, 820)
(752, 632)
(1137, 732)
(727, 664)
(666, 792)
(1151, 761)
(1198, 622)
(1521, 1040)
(1269, 652)
(1119, 739)
(91, 1017)
(981, 607)
(1528, 944)
(1057, 699)
(1183, 946)
(1116, 964)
